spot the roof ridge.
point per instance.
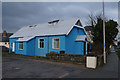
(62, 28)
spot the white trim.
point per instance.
(20, 49)
(19, 44)
(81, 38)
(78, 26)
(81, 23)
(53, 43)
(73, 26)
(39, 43)
(85, 33)
(13, 47)
(25, 38)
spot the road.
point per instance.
(29, 68)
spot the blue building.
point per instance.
(59, 35)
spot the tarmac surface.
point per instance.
(13, 67)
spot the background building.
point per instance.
(4, 40)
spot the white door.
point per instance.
(13, 48)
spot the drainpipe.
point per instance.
(86, 47)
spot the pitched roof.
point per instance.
(25, 38)
(81, 38)
(63, 27)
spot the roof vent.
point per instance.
(53, 22)
(31, 26)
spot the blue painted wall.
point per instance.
(11, 40)
(24, 51)
(28, 47)
(48, 45)
(31, 47)
(40, 51)
(67, 44)
(62, 43)
(72, 46)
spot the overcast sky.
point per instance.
(18, 14)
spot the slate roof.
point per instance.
(81, 38)
(25, 38)
(63, 27)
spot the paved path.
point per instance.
(23, 68)
(109, 70)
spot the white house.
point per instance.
(4, 39)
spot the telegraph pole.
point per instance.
(104, 53)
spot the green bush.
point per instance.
(118, 52)
(99, 60)
(52, 53)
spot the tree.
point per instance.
(111, 31)
(110, 34)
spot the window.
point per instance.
(56, 43)
(20, 45)
(11, 45)
(41, 43)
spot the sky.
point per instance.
(16, 15)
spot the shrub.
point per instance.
(52, 53)
(99, 60)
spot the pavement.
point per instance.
(27, 68)
(108, 70)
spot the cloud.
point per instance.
(18, 14)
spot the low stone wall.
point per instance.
(72, 58)
(66, 57)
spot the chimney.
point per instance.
(4, 33)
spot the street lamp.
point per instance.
(104, 53)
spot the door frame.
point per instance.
(13, 47)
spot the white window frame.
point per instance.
(39, 43)
(53, 43)
(19, 45)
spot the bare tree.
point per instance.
(92, 19)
